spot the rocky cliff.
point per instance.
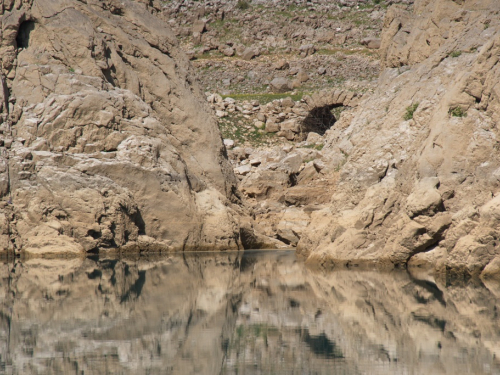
(418, 161)
(105, 140)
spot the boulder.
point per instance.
(249, 53)
(372, 43)
(302, 76)
(199, 26)
(272, 127)
(425, 199)
(307, 50)
(280, 84)
(292, 125)
(243, 169)
(228, 51)
(281, 65)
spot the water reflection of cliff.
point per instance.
(233, 313)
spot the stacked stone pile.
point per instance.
(287, 118)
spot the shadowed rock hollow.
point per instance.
(105, 140)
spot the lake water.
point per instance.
(239, 313)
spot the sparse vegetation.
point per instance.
(457, 112)
(318, 147)
(265, 98)
(242, 5)
(455, 53)
(242, 130)
(410, 110)
(337, 111)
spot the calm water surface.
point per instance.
(235, 313)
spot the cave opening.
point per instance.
(320, 119)
(23, 34)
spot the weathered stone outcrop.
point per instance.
(419, 183)
(105, 140)
(332, 98)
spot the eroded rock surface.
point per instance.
(105, 139)
(419, 183)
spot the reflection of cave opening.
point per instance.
(23, 35)
(321, 345)
(320, 119)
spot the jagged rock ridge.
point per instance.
(420, 183)
(105, 139)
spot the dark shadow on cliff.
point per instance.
(23, 35)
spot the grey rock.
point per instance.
(280, 84)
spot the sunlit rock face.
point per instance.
(234, 313)
(417, 162)
(105, 140)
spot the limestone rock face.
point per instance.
(105, 140)
(420, 170)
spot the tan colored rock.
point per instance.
(110, 142)
(425, 199)
(303, 195)
(280, 84)
(272, 127)
(302, 76)
(199, 26)
(490, 212)
(281, 65)
(292, 125)
(469, 257)
(429, 182)
(249, 53)
(307, 50)
(372, 43)
(228, 51)
(492, 270)
(264, 184)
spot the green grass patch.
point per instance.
(410, 110)
(240, 129)
(347, 52)
(357, 16)
(337, 111)
(315, 147)
(265, 97)
(457, 112)
(455, 53)
(242, 5)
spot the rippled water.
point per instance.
(235, 313)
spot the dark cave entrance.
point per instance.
(320, 119)
(23, 35)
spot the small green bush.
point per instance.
(455, 53)
(457, 112)
(315, 146)
(242, 5)
(410, 110)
